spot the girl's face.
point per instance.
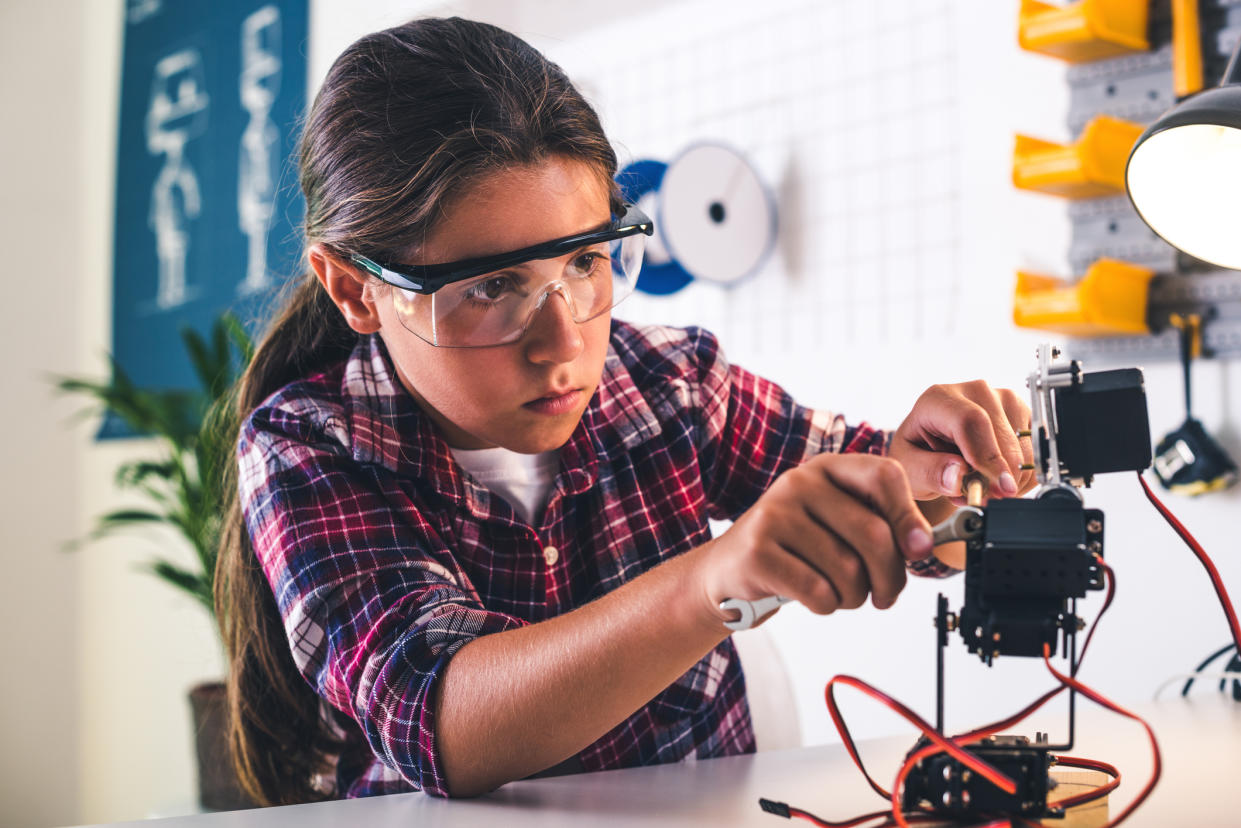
(528, 395)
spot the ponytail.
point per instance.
(283, 750)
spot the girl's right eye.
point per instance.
(489, 289)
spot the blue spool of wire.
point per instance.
(661, 274)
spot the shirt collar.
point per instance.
(389, 429)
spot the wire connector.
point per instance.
(777, 808)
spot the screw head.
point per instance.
(1095, 526)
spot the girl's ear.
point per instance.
(347, 289)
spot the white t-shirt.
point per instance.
(524, 480)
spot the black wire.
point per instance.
(1187, 355)
(1234, 666)
(1190, 683)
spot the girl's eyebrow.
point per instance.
(598, 228)
(528, 262)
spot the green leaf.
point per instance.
(241, 338)
(137, 472)
(196, 431)
(198, 586)
(132, 516)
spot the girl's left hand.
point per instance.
(955, 428)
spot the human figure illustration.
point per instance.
(256, 179)
(176, 115)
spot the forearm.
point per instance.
(514, 703)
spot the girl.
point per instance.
(470, 541)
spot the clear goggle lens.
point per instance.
(497, 308)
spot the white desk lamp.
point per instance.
(1184, 173)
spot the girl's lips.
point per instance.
(561, 404)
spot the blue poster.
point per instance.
(208, 211)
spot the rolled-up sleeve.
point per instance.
(751, 430)
(373, 603)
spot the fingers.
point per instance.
(1018, 413)
(1005, 433)
(792, 576)
(828, 533)
(863, 523)
(878, 485)
(857, 556)
(938, 471)
(971, 420)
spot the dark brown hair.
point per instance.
(405, 118)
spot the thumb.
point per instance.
(933, 473)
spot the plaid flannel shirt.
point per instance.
(386, 558)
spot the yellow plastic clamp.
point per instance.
(1091, 167)
(1110, 300)
(1186, 48)
(1084, 31)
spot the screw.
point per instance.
(995, 653)
(1095, 547)
(947, 799)
(1024, 432)
(1095, 526)
(1081, 624)
(950, 621)
(978, 632)
(966, 776)
(947, 773)
(1026, 467)
(1055, 353)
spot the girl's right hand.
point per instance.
(827, 533)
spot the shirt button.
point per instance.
(551, 554)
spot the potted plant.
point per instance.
(195, 432)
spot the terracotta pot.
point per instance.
(218, 787)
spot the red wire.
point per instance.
(971, 736)
(848, 823)
(954, 746)
(1097, 698)
(1203, 558)
(1089, 796)
(954, 749)
(1004, 724)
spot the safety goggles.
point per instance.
(491, 300)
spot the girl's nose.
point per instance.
(553, 336)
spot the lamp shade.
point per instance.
(1184, 176)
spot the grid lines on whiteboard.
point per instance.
(849, 110)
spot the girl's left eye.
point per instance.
(490, 289)
(586, 263)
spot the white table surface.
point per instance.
(1200, 740)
